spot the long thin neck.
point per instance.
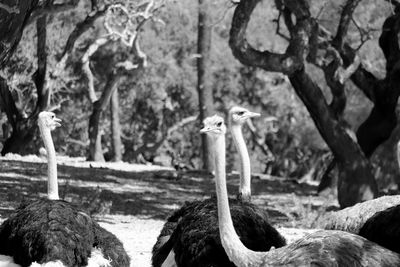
(234, 248)
(52, 183)
(245, 174)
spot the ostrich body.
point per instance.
(322, 248)
(377, 220)
(190, 237)
(53, 232)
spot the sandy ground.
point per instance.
(140, 234)
(133, 201)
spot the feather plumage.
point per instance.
(50, 230)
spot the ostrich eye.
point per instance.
(219, 124)
(240, 113)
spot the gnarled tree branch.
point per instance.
(248, 55)
(345, 19)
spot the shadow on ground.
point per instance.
(152, 194)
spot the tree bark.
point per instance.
(356, 183)
(13, 19)
(24, 129)
(95, 148)
(203, 80)
(382, 119)
(115, 127)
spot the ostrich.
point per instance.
(237, 117)
(374, 219)
(191, 237)
(52, 232)
(322, 248)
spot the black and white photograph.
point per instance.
(199, 133)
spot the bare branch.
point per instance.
(343, 75)
(78, 142)
(81, 28)
(94, 4)
(52, 9)
(10, 9)
(345, 19)
(86, 66)
(365, 34)
(246, 54)
(179, 125)
(321, 10)
(278, 27)
(127, 65)
(140, 53)
(58, 106)
(130, 27)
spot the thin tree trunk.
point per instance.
(95, 148)
(115, 127)
(203, 80)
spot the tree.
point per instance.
(24, 125)
(115, 127)
(203, 78)
(310, 43)
(13, 20)
(131, 22)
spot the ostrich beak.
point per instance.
(57, 122)
(205, 129)
(253, 114)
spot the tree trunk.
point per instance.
(306, 39)
(115, 127)
(203, 80)
(13, 19)
(356, 182)
(382, 119)
(95, 148)
(24, 129)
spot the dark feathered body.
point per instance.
(195, 235)
(161, 248)
(330, 248)
(353, 218)
(377, 220)
(112, 248)
(384, 228)
(50, 230)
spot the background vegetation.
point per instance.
(161, 95)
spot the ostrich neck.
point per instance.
(52, 183)
(245, 175)
(234, 248)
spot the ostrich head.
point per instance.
(214, 126)
(239, 115)
(48, 120)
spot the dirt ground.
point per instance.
(132, 201)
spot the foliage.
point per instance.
(164, 93)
